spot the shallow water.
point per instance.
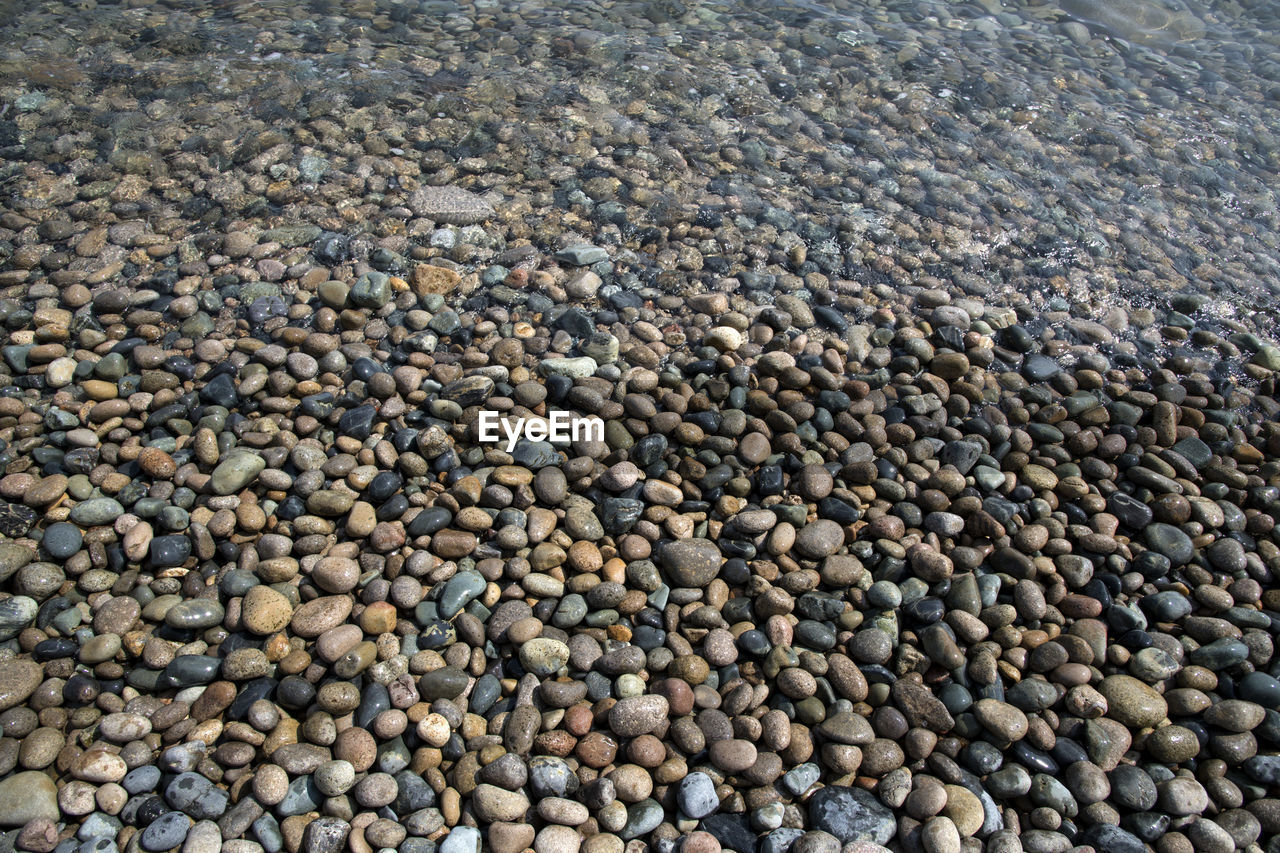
(1077, 156)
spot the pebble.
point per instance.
(691, 562)
(697, 796)
(1132, 702)
(166, 832)
(27, 796)
(637, 715)
(851, 814)
(462, 839)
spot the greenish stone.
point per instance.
(1268, 357)
(238, 470)
(372, 290)
(334, 294)
(255, 290)
(458, 591)
(296, 235)
(13, 557)
(445, 683)
(96, 511)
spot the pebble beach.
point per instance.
(934, 505)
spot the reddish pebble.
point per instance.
(778, 630)
(358, 747)
(700, 842)
(557, 742)
(1075, 606)
(597, 750)
(39, 835)
(578, 719)
(679, 695)
(156, 463)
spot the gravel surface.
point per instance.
(936, 499)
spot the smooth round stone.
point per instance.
(1167, 606)
(1173, 744)
(1220, 654)
(642, 818)
(1227, 555)
(1182, 796)
(301, 797)
(1032, 694)
(189, 670)
(1008, 782)
(544, 656)
(486, 692)
(697, 795)
(1171, 542)
(166, 832)
(801, 778)
(326, 835)
(62, 540)
(26, 796)
(1235, 715)
(819, 539)
(15, 614)
(940, 835)
(884, 595)
(462, 839)
(334, 778)
(1152, 665)
(265, 611)
(733, 756)
(445, 683)
(549, 777)
(123, 727)
(237, 470)
(141, 779)
(169, 551)
(1131, 702)
(1048, 791)
(1112, 839)
(1001, 719)
(637, 715)
(459, 591)
(194, 614)
(13, 557)
(371, 290)
(1260, 688)
(571, 611)
(785, 838)
(690, 563)
(982, 757)
(493, 803)
(96, 511)
(1132, 788)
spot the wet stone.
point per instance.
(1169, 541)
(451, 205)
